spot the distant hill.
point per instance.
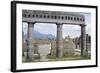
(41, 36)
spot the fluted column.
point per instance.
(59, 41)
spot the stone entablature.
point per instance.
(52, 17)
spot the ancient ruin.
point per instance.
(59, 18)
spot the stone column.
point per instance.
(83, 40)
(30, 54)
(59, 41)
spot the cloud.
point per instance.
(45, 28)
(71, 30)
(24, 26)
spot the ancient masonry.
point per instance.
(59, 18)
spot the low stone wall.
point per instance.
(68, 47)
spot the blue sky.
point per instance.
(68, 30)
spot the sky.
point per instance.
(68, 30)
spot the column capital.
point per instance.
(59, 24)
(31, 22)
(82, 25)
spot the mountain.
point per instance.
(41, 36)
(38, 35)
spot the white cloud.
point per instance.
(45, 28)
(25, 27)
(71, 30)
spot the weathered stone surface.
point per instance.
(30, 48)
(52, 17)
(69, 47)
(83, 40)
(44, 50)
(62, 47)
(59, 41)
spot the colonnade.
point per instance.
(59, 41)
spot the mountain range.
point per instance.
(41, 36)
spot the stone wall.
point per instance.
(68, 46)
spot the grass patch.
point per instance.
(69, 58)
(64, 58)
